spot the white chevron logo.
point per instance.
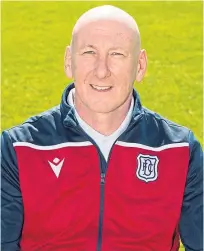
(56, 166)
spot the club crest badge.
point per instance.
(147, 169)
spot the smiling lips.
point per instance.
(101, 88)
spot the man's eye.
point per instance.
(117, 54)
(89, 52)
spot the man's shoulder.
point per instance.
(43, 115)
(172, 131)
(162, 119)
(40, 124)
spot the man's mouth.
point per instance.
(101, 88)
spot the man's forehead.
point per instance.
(103, 30)
(102, 42)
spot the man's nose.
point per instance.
(102, 70)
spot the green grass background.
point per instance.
(34, 36)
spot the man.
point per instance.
(100, 171)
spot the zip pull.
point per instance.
(103, 175)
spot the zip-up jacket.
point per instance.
(59, 193)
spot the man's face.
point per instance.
(104, 65)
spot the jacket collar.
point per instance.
(68, 115)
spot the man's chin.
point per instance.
(103, 109)
(100, 109)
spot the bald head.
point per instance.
(107, 13)
(104, 60)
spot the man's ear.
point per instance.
(142, 65)
(67, 62)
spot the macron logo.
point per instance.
(56, 166)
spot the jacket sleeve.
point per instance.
(191, 221)
(11, 199)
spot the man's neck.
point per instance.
(104, 123)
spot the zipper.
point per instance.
(102, 189)
(103, 175)
(102, 163)
(102, 186)
(103, 171)
(103, 168)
